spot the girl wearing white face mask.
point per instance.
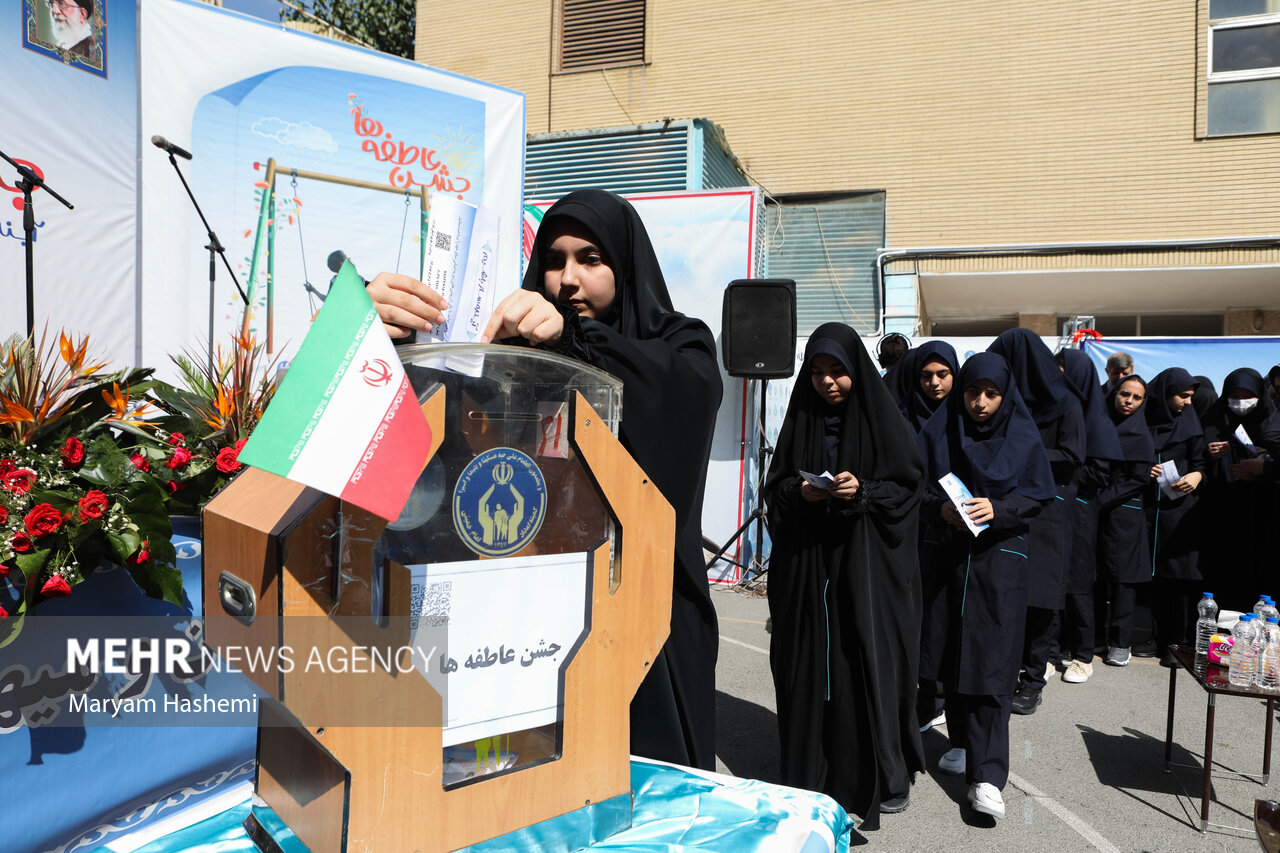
(1233, 501)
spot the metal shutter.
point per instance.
(596, 33)
(828, 245)
(652, 158)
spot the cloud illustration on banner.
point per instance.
(302, 134)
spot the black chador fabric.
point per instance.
(844, 589)
(915, 406)
(1235, 510)
(1060, 419)
(1102, 450)
(671, 391)
(1123, 550)
(898, 378)
(1174, 523)
(1005, 461)
(1205, 396)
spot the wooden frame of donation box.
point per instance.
(356, 761)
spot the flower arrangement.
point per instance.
(193, 448)
(69, 496)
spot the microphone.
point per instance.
(165, 145)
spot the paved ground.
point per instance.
(1087, 769)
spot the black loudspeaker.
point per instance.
(758, 328)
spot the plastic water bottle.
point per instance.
(1206, 623)
(1270, 609)
(1244, 652)
(1269, 664)
(1260, 605)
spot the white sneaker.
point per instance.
(1078, 672)
(936, 721)
(986, 798)
(1049, 670)
(952, 762)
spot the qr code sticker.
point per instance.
(435, 604)
(415, 603)
(444, 242)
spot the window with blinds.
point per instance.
(596, 33)
(828, 245)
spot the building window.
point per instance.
(828, 245)
(1244, 67)
(601, 33)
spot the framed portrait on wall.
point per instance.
(74, 32)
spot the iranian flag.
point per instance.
(345, 419)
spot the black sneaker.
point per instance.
(896, 804)
(1026, 699)
(1146, 649)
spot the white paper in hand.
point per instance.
(959, 493)
(1243, 437)
(819, 481)
(1168, 476)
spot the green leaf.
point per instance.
(12, 627)
(158, 580)
(124, 545)
(34, 563)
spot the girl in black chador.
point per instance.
(986, 437)
(844, 583)
(594, 291)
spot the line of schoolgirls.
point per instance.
(1085, 497)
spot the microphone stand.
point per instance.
(215, 249)
(30, 180)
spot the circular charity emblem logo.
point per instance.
(499, 502)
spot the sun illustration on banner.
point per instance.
(458, 150)
(376, 372)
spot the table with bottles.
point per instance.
(1213, 678)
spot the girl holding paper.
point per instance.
(1173, 514)
(844, 583)
(1124, 554)
(985, 436)
(1232, 430)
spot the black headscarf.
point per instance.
(670, 394)
(1204, 398)
(916, 407)
(1135, 438)
(897, 378)
(1035, 371)
(994, 458)
(1220, 422)
(1100, 434)
(1166, 427)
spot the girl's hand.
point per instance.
(979, 510)
(811, 494)
(1156, 471)
(1219, 448)
(844, 486)
(1249, 469)
(951, 516)
(405, 304)
(525, 314)
(1187, 482)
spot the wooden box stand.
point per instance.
(378, 787)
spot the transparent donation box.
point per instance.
(464, 671)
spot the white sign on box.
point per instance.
(498, 636)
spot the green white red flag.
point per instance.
(345, 419)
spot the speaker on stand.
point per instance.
(758, 341)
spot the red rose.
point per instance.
(142, 555)
(173, 486)
(4, 571)
(240, 444)
(93, 505)
(43, 520)
(72, 453)
(19, 480)
(56, 587)
(227, 461)
(4, 614)
(140, 462)
(4, 515)
(20, 542)
(181, 456)
(177, 439)
(7, 466)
